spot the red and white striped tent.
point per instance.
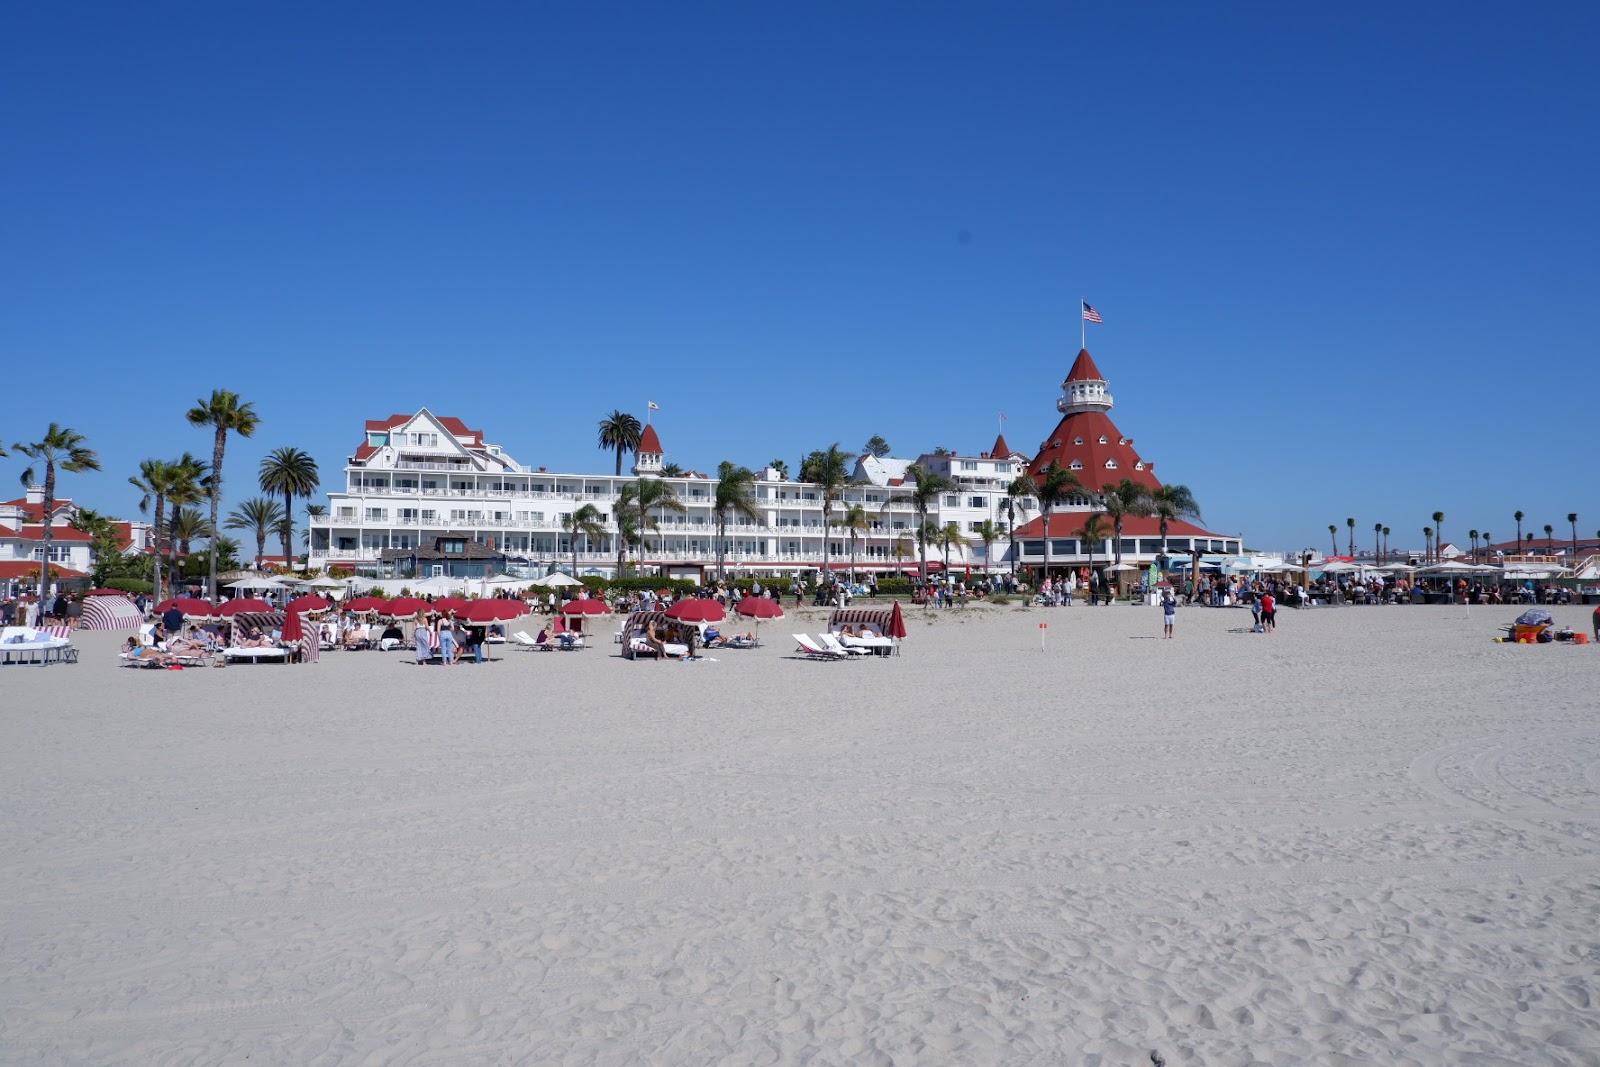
(110, 613)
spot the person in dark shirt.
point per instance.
(172, 620)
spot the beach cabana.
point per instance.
(886, 623)
(111, 613)
(637, 627)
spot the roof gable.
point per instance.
(1084, 370)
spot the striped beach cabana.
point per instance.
(110, 613)
(884, 622)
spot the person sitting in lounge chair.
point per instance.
(135, 652)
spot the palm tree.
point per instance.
(1021, 488)
(1120, 500)
(259, 515)
(583, 522)
(1549, 534)
(293, 473)
(925, 489)
(1472, 535)
(637, 506)
(1518, 517)
(856, 521)
(876, 446)
(1352, 524)
(1057, 484)
(154, 480)
(829, 471)
(313, 511)
(1386, 542)
(988, 533)
(929, 533)
(1572, 517)
(1090, 534)
(781, 466)
(1377, 543)
(1427, 543)
(621, 432)
(1333, 537)
(732, 498)
(1171, 503)
(1488, 539)
(1438, 533)
(191, 484)
(671, 470)
(187, 526)
(223, 412)
(69, 450)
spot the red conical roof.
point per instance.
(1077, 440)
(1084, 370)
(648, 441)
(1000, 450)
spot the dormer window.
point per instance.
(1139, 466)
(1111, 464)
(1122, 440)
(1077, 465)
(1104, 439)
(1077, 440)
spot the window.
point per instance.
(1078, 440)
(1063, 547)
(374, 438)
(1111, 464)
(58, 554)
(377, 514)
(346, 513)
(1076, 465)
(425, 440)
(429, 516)
(1139, 466)
(969, 465)
(436, 570)
(952, 501)
(975, 502)
(1033, 548)
(453, 548)
(1002, 468)
(408, 514)
(1104, 439)
(973, 524)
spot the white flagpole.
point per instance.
(1083, 325)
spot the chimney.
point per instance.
(35, 494)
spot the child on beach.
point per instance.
(1169, 613)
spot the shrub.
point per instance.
(130, 585)
(895, 587)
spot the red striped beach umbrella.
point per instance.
(233, 607)
(759, 607)
(697, 610)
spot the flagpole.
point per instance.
(1083, 326)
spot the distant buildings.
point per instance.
(71, 551)
(426, 495)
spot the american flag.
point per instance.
(1090, 314)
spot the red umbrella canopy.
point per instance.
(897, 622)
(249, 603)
(188, 605)
(405, 605)
(494, 610)
(292, 628)
(368, 603)
(759, 607)
(585, 607)
(450, 603)
(308, 603)
(107, 592)
(696, 611)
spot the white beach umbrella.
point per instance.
(1338, 566)
(257, 583)
(555, 581)
(328, 583)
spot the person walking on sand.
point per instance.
(1169, 613)
(1269, 613)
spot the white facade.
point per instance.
(420, 477)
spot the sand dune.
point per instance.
(1372, 837)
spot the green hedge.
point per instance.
(130, 585)
(894, 587)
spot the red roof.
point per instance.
(1000, 450)
(449, 422)
(1084, 370)
(1062, 523)
(1089, 427)
(24, 568)
(363, 451)
(35, 511)
(36, 533)
(648, 441)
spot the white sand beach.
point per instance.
(1371, 837)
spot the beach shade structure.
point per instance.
(493, 610)
(105, 592)
(588, 606)
(696, 611)
(363, 604)
(1338, 566)
(897, 623)
(326, 583)
(256, 583)
(230, 608)
(759, 607)
(295, 632)
(405, 605)
(555, 581)
(308, 603)
(450, 603)
(103, 612)
(192, 607)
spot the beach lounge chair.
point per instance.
(831, 642)
(255, 655)
(816, 651)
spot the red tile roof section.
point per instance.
(365, 451)
(1084, 370)
(1091, 426)
(23, 568)
(36, 533)
(449, 422)
(648, 441)
(1062, 523)
(1000, 450)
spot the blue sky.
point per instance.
(1345, 255)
